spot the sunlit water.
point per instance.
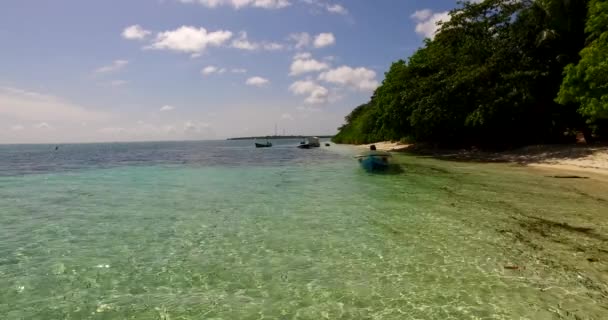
(221, 230)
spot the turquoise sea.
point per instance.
(221, 230)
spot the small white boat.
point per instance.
(310, 142)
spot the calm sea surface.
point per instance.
(221, 230)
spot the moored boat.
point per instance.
(268, 144)
(374, 162)
(304, 145)
(310, 142)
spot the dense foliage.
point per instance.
(586, 83)
(491, 75)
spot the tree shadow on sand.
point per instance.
(523, 156)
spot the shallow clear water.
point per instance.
(221, 230)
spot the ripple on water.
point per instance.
(310, 238)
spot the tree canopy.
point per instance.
(491, 75)
(586, 83)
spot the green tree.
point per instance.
(489, 77)
(586, 82)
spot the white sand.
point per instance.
(589, 159)
(597, 160)
(387, 146)
(595, 163)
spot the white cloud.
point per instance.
(212, 69)
(135, 32)
(358, 78)
(273, 46)
(426, 21)
(146, 131)
(287, 116)
(238, 4)
(190, 39)
(302, 55)
(315, 93)
(31, 117)
(112, 130)
(243, 43)
(115, 66)
(336, 8)
(422, 14)
(166, 108)
(191, 127)
(324, 40)
(304, 65)
(308, 109)
(238, 70)
(30, 106)
(169, 129)
(118, 83)
(43, 125)
(329, 7)
(257, 81)
(301, 40)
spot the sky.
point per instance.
(151, 70)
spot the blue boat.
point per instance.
(374, 161)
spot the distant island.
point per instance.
(279, 137)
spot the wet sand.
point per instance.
(576, 241)
(568, 236)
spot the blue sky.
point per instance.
(85, 71)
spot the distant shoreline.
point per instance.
(279, 137)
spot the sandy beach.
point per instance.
(575, 158)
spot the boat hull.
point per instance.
(374, 163)
(310, 142)
(263, 145)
